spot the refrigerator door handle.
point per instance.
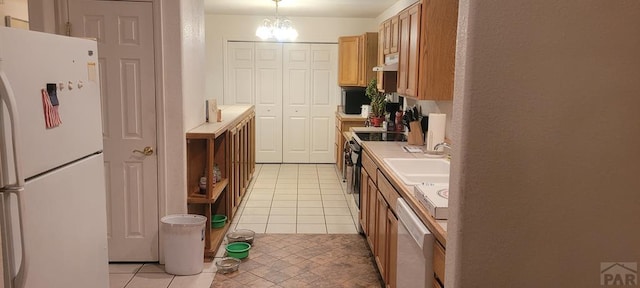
(6, 94)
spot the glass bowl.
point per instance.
(228, 265)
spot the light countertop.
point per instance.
(231, 116)
(350, 117)
(380, 150)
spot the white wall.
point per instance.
(545, 180)
(220, 28)
(14, 8)
(193, 65)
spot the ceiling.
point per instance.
(303, 8)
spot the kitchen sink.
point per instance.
(413, 171)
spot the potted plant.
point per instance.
(378, 103)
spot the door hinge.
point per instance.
(67, 28)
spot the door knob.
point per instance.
(146, 151)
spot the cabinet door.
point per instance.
(409, 23)
(362, 60)
(364, 202)
(339, 149)
(438, 261)
(381, 53)
(385, 37)
(369, 58)
(381, 235)
(393, 35)
(392, 248)
(371, 214)
(438, 49)
(348, 56)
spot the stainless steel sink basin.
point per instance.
(414, 171)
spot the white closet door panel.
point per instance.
(296, 100)
(268, 91)
(323, 94)
(297, 144)
(297, 88)
(321, 150)
(240, 73)
(268, 139)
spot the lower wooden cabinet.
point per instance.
(372, 217)
(380, 225)
(364, 203)
(438, 262)
(381, 243)
(392, 238)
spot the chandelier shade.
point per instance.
(278, 28)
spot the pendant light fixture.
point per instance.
(280, 28)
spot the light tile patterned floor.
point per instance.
(296, 198)
(282, 198)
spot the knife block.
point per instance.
(415, 135)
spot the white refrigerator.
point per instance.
(53, 202)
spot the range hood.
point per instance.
(390, 63)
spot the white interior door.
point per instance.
(324, 88)
(240, 81)
(268, 91)
(296, 99)
(124, 31)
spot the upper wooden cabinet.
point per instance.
(408, 72)
(427, 45)
(357, 55)
(437, 49)
(390, 35)
(387, 44)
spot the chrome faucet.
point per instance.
(444, 145)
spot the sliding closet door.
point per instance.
(294, 89)
(239, 78)
(324, 91)
(296, 99)
(268, 91)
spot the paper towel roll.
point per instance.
(435, 130)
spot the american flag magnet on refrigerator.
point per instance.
(50, 105)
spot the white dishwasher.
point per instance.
(415, 249)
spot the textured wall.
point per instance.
(545, 178)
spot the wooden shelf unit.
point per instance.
(204, 151)
(230, 145)
(218, 188)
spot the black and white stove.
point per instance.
(381, 136)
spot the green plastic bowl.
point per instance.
(218, 221)
(238, 250)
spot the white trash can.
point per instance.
(183, 243)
